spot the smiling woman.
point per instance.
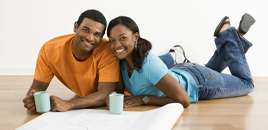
(126, 42)
(137, 66)
(149, 80)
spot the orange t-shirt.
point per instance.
(56, 58)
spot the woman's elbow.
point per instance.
(185, 102)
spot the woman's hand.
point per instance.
(133, 101)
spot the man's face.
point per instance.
(88, 35)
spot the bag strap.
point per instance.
(183, 52)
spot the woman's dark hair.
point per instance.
(143, 45)
(94, 15)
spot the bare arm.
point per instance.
(57, 104)
(120, 88)
(171, 87)
(96, 99)
(29, 99)
(38, 86)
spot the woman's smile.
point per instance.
(120, 50)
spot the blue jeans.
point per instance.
(211, 83)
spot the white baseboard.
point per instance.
(30, 71)
(17, 71)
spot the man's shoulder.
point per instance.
(104, 40)
(104, 47)
(104, 44)
(59, 41)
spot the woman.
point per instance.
(150, 82)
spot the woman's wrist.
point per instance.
(145, 100)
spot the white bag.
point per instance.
(178, 55)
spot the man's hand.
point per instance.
(57, 104)
(29, 101)
(107, 100)
(134, 101)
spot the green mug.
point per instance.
(42, 101)
(116, 102)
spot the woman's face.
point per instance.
(122, 41)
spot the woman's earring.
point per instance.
(136, 44)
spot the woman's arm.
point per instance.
(153, 100)
(173, 89)
(170, 87)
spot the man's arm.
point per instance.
(29, 99)
(96, 99)
(120, 88)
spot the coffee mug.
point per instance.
(42, 101)
(116, 102)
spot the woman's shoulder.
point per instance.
(151, 58)
(152, 62)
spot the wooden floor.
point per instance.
(246, 112)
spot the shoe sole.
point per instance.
(246, 22)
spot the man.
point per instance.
(83, 62)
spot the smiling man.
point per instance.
(83, 62)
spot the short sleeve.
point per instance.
(154, 69)
(109, 68)
(42, 70)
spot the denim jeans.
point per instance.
(211, 83)
(167, 59)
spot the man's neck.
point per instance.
(78, 54)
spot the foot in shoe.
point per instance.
(246, 22)
(226, 25)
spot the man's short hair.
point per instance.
(94, 15)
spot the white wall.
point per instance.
(26, 24)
